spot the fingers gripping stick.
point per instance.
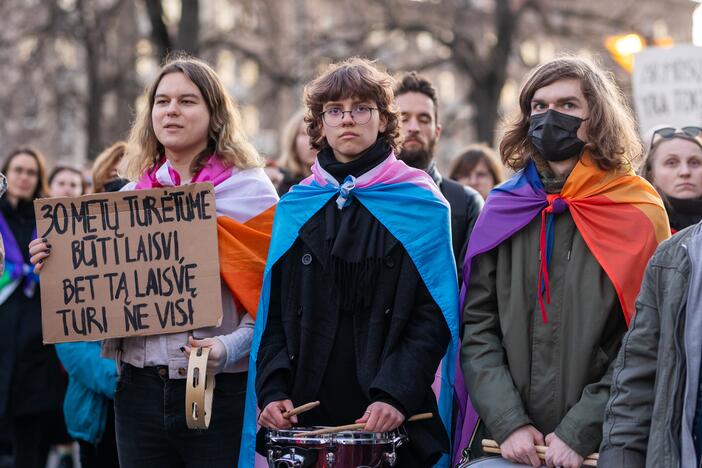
(199, 387)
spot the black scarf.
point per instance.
(357, 242)
(683, 212)
(371, 157)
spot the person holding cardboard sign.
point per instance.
(32, 385)
(189, 132)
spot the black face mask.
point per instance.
(555, 135)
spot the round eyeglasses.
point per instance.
(334, 116)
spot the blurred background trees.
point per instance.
(73, 70)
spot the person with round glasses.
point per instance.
(674, 166)
(360, 295)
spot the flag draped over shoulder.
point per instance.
(245, 202)
(17, 272)
(620, 216)
(409, 205)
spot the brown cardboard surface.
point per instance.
(129, 263)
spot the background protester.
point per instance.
(190, 131)
(105, 169)
(416, 99)
(87, 407)
(66, 181)
(551, 276)
(298, 155)
(674, 166)
(32, 383)
(478, 167)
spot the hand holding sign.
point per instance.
(39, 250)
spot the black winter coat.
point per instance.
(399, 340)
(31, 378)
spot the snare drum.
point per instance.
(350, 449)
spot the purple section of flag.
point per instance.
(508, 208)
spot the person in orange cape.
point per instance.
(189, 132)
(553, 267)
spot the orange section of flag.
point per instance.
(622, 220)
(243, 249)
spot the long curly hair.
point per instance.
(352, 78)
(226, 134)
(612, 137)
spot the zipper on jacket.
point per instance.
(675, 422)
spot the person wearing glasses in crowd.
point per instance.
(674, 166)
(358, 307)
(417, 101)
(553, 267)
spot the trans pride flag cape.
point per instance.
(245, 202)
(16, 271)
(619, 215)
(408, 203)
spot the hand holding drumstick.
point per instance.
(282, 415)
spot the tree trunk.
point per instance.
(94, 99)
(485, 98)
(189, 29)
(159, 32)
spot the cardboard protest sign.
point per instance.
(129, 263)
(667, 86)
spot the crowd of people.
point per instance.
(522, 298)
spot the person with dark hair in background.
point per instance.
(554, 266)
(478, 167)
(66, 181)
(417, 101)
(32, 383)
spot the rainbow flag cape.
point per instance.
(245, 204)
(16, 272)
(408, 203)
(620, 216)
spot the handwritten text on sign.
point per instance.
(667, 86)
(129, 263)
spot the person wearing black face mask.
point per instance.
(548, 292)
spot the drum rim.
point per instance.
(341, 438)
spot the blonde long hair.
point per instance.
(226, 134)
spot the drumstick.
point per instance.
(491, 446)
(301, 409)
(354, 427)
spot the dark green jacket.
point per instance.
(520, 370)
(642, 418)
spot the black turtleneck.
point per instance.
(371, 157)
(683, 212)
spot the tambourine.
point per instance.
(199, 388)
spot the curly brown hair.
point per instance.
(613, 140)
(353, 78)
